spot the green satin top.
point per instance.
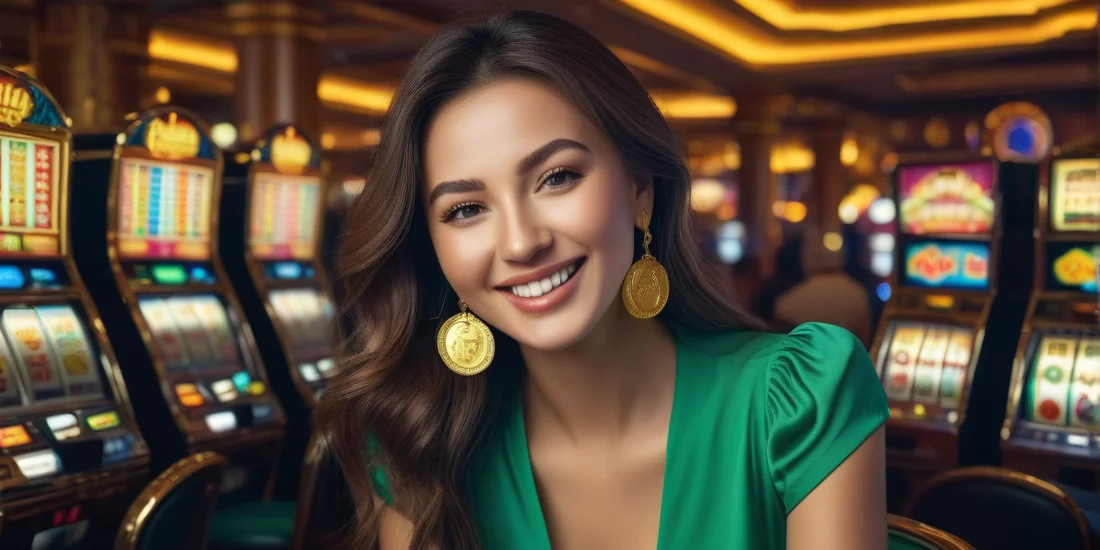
(758, 420)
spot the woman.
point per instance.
(520, 373)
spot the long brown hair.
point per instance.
(392, 294)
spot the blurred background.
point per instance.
(807, 125)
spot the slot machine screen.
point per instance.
(1063, 387)
(29, 196)
(927, 363)
(946, 265)
(283, 222)
(164, 210)
(946, 198)
(1073, 266)
(1075, 195)
(50, 347)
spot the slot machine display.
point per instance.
(273, 256)
(281, 192)
(1052, 422)
(931, 334)
(147, 242)
(71, 455)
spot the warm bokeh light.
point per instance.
(353, 186)
(849, 152)
(163, 95)
(792, 211)
(848, 213)
(889, 162)
(833, 241)
(725, 212)
(791, 157)
(882, 210)
(328, 141)
(224, 134)
(707, 194)
(692, 105)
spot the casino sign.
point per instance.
(948, 200)
(16, 103)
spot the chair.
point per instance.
(906, 534)
(325, 507)
(174, 511)
(997, 508)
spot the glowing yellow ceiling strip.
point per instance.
(781, 15)
(740, 40)
(340, 91)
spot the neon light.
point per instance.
(103, 421)
(11, 277)
(13, 436)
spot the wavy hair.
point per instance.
(392, 386)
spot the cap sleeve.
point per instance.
(824, 399)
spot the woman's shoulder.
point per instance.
(813, 358)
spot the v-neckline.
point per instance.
(526, 475)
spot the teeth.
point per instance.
(534, 289)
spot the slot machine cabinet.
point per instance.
(932, 335)
(71, 455)
(1052, 422)
(147, 247)
(272, 225)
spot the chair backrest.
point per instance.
(174, 511)
(325, 508)
(907, 534)
(997, 508)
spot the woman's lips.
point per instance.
(546, 302)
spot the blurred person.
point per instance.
(540, 354)
(828, 295)
(788, 273)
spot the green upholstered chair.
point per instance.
(907, 534)
(315, 521)
(173, 512)
(256, 525)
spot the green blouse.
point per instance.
(758, 420)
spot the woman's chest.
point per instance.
(598, 500)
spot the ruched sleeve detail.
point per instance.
(377, 474)
(824, 399)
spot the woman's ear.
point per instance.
(642, 199)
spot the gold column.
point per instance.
(16, 22)
(279, 64)
(755, 127)
(92, 55)
(830, 177)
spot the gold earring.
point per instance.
(645, 289)
(465, 343)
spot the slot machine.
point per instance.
(1052, 423)
(932, 334)
(273, 255)
(147, 247)
(71, 455)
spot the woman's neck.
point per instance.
(619, 379)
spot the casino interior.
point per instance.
(166, 318)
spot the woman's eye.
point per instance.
(560, 177)
(463, 212)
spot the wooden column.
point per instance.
(92, 55)
(755, 128)
(279, 61)
(16, 23)
(830, 177)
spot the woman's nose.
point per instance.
(523, 238)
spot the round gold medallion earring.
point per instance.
(465, 343)
(645, 289)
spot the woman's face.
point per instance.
(530, 210)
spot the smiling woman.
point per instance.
(537, 352)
